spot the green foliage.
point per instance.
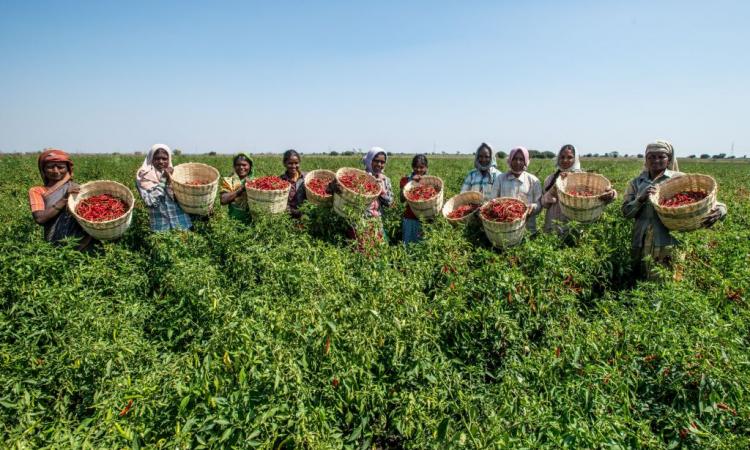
(278, 334)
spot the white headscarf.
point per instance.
(493, 161)
(147, 175)
(367, 159)
(576, 167)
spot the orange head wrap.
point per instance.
(54, 155)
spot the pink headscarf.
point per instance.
(147, 175)
(526, 158)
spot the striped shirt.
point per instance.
(477, 182)
(526, 187)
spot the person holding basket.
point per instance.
(296, 178)
(567, 162)
(233, 187)
(49, 202)
(153, 181)
(411, 226)
(520, 184)
(485, 171)
(652, 243)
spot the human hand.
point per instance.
(712, 217)
(608, 195)
(646, 193)
(416, 178)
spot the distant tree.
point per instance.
(212, 153)
(596, 155)
(501, 155)
(730, 157)
(348, 153)
(115, 153)
(720, 156)
(691, 157)
(177, 152)
(626, 156)
(705, 156)
(334, 153)
(640, 155)
(138, 153)
(614, 154)
(388, 153)
(535, 154)
(548, 154)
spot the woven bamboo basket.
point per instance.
(111, 229)
(264, 201)
(426, 209)
(464, 198)
(582, 209)
(503, 234)
(348, 203)
(314, 198)
(688, 217)
(198, 200)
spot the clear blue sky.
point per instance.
(408, 76)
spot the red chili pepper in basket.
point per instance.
(507, 210)
(682, 199)
(319, 186)
(101, 208)
(421, 193)
(463, 211)
(360, 183)
(581, 191)
(198, 182)
(268, 183)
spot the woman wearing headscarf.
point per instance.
(233, 187)
(153, 182)
(296, 178)
(567, 162)
(374, 162)
(650, 237)
(49, 202)
(485, 171)
(411, 226)
(520, 184)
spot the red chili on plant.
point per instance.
(319, 186)
(506, 210)
(267, 183)
(422, 193)
(359, 183)
(101, 208)
(463, 211)
(682, 199)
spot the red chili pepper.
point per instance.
(422, 193)
(682, 199)
(463, 211)
(319, 186)
(198, 182)
(269, 183)
(507, 210)
(581, 191)
(127, 407)
(101, 208)
(360, 183)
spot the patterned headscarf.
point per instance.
(247, 157)
(367, 159)
(661, 146)
(493, 162)
(54, 155)
(526, 158)
(147, 175)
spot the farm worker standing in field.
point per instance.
(233, 187)
(153, 182)
(650, 237)
(567, 161)
(49, 202)
(518, 183)
(296, 178)
(484, 174)
(412, 228)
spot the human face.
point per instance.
(484, 157)
(657, 162)
(242, 168)
(566, 159)
(55, 171)
(518, 163)
(160, 159)
(378, 163)
(419, 169)
(292, 165)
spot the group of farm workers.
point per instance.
(651, 243)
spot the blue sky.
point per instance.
(410, 76)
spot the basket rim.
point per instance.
(90, 183)
(286, 189)
(497, 200)
(412, 184)
(313, 174)
(710, 194)
(213, 169)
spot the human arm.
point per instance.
(635, 199)
(535, 196)
(151, 196)
(228, 193)
(717, 213)
(386, 193)
(42, 214)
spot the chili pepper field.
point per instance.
(278, 334)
